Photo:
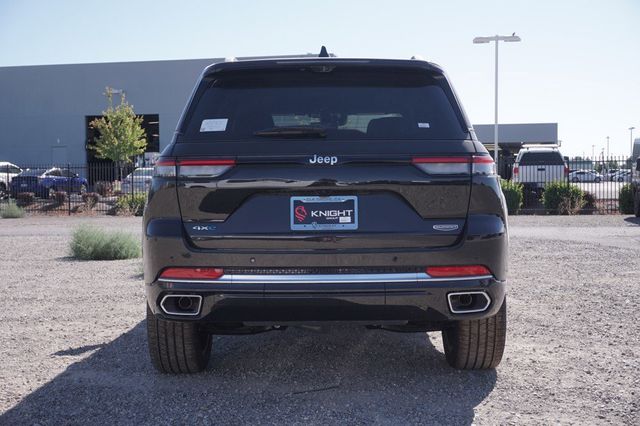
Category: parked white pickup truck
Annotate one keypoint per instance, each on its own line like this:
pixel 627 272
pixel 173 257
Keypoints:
pixel 537 165
pixel 7 172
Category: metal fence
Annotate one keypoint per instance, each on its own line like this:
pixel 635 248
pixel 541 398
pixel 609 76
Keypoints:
pixel 98 188
pixel 103 188
pixel 600 180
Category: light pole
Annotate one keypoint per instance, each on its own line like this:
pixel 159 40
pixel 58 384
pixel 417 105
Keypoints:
pixel 631 137
pixel 496 38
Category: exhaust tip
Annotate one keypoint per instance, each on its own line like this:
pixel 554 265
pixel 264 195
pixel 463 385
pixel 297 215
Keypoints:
pixel 468 302
pixel 181 304
pixel 185 303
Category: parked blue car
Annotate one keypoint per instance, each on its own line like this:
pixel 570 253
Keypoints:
pixel 44 182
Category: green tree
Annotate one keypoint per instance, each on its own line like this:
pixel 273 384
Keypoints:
pixel 612 164
pixel 121 136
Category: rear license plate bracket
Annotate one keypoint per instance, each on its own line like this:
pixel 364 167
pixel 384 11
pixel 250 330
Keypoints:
pixel 333 213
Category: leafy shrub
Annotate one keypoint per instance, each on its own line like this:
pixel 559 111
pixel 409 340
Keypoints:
pixel 589 205
pixel 25 198
pixel 11 211
pixel 131 204
pixel 90 199
pixel 60 197
pixel 90 243
pixel 104 188
pixel 513 194
pixel 625 200
pixel 562 198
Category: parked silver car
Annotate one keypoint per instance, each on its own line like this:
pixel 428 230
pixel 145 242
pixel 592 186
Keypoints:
pixel 609 174
pixel 585 176
pixel 7 172
pixel 622 176
pixel 137 181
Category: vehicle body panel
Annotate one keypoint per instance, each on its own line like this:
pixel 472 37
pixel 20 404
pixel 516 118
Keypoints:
pixel 241 218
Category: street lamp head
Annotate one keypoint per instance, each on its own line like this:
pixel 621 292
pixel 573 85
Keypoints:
pixel 482 40
pixel 631 128
pixel 511 39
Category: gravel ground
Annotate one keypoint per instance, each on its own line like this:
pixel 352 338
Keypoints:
pixel 73 344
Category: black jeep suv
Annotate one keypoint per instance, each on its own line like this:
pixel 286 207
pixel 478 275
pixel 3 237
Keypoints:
pixel 323 190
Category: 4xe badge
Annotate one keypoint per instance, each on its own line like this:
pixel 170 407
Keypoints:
pixel 203 227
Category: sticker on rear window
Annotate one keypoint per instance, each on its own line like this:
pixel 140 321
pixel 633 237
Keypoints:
pixel 214 125
pixel 423 125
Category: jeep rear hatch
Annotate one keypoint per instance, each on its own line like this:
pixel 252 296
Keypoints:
pixel 351 157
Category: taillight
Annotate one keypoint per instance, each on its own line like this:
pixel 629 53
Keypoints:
pixel 566 171
pixel 516 170
pixel 457 271
pixel 165 168
pixel 483 165
pixel 476 164
pixel 193 168
pixel 204 168
pixel 192 273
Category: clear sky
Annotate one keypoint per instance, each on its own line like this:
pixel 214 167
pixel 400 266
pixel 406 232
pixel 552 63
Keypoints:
pixel 578 63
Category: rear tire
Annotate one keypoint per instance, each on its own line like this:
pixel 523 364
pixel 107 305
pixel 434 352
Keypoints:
pixel 177 347
pixel 476 344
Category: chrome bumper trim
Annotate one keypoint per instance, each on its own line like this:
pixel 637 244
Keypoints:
pixel 326 279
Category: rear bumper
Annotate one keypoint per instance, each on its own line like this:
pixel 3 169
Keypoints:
pixel 374 299
pixel 370 298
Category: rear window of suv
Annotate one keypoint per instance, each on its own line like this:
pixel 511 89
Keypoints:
pixel 344 103
pixel 551 158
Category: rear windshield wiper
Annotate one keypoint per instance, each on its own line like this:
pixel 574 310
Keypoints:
pixel 292 131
